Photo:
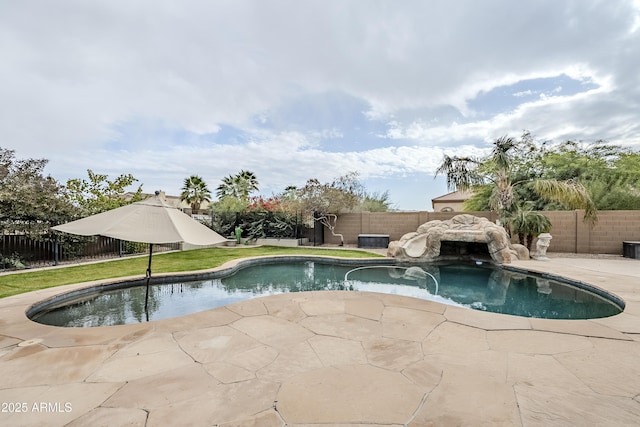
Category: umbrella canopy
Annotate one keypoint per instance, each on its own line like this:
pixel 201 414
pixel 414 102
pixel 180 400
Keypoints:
pixel 149 221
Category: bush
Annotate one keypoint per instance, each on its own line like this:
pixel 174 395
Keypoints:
pixel 12 262
pixel 224 223
pixel 527 223
pixel 261 218
pixel 134 247
pixel 261 224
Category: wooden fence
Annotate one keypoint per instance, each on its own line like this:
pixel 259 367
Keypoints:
pixel 20 251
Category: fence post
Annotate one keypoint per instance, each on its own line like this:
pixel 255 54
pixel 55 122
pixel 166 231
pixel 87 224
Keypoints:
pixel 56 252
pixel 298 228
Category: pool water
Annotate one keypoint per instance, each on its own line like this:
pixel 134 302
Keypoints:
pixel 479 287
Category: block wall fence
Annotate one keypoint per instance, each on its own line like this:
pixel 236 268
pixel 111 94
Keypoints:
pixel 570 233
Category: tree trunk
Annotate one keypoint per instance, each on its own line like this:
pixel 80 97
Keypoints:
pixel 529 241
pixel 326 221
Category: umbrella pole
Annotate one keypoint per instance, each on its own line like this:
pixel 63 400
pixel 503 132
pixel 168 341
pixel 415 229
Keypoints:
pixel 148 275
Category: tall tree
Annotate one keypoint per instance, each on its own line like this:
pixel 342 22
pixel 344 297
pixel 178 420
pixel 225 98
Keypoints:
pixel 29 201
pixel 375 202
pixel 195 192
pixel 611 173
pixel 507 168
pixel 327 201
pixel 239 186
pixel 98 194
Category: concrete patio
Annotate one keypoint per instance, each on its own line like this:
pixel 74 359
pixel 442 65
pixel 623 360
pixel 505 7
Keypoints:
pixel 332 358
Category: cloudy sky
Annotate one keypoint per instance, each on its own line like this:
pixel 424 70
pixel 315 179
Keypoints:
pixel 293 90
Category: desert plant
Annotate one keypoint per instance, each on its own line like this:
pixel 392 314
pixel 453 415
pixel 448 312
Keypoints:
pixel 12 262
pixel 268 218
pixel 527 223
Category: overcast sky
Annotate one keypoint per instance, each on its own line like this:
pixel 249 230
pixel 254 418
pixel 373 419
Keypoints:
pixel 293 90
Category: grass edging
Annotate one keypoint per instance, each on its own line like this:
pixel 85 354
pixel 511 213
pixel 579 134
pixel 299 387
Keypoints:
pixel 174 262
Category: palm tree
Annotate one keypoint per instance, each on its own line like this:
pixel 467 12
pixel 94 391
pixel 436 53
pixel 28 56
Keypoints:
pixel 527 223
pixel 195 192
pixel 500 169
pixel 238 186
pixel 246 183
pixel 227 188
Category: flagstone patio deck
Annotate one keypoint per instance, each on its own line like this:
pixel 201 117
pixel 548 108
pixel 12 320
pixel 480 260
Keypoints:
pixel 332 358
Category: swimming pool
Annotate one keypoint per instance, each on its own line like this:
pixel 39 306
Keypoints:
pixel 476 286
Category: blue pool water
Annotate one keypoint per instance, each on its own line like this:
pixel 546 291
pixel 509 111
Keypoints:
pixel 479 287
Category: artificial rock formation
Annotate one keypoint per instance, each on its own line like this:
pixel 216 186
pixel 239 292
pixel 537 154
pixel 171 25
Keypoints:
pixel 424 244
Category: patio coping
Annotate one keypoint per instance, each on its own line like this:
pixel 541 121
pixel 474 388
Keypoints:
pixel 332 358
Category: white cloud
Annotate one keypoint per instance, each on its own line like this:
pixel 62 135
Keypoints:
pixel 523 93
pixel 636 17
pixel 145 87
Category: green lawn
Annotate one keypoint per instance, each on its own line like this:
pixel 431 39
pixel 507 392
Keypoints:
pixel 200 259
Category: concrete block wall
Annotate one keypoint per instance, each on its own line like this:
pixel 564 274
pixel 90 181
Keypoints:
pixel 347 225
pixel 563 230
pixel 395 224
pixel 570 233
pixel 612 229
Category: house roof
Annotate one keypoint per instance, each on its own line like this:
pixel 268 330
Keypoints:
pixel 455 196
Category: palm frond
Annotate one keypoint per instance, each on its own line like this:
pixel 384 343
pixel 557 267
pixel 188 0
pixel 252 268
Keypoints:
pixel 460 171
pixel 500 153
pixel 570 193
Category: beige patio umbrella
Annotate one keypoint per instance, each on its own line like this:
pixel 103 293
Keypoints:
pixel 148 221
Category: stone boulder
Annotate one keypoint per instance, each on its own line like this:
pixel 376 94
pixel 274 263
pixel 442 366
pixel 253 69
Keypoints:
pixel 424 244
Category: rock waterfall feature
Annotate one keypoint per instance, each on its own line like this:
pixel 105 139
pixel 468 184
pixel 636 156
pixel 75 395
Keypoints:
pixel 425 243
